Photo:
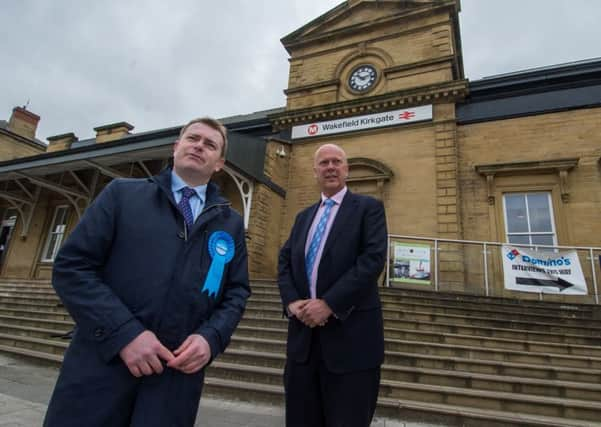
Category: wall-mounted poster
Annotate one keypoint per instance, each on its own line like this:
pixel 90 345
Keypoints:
pixel 543 271
pixel 411 263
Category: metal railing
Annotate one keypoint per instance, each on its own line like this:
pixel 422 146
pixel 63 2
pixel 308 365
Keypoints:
pixel 473 266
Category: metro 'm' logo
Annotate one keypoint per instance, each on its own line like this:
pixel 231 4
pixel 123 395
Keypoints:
pixel 312 130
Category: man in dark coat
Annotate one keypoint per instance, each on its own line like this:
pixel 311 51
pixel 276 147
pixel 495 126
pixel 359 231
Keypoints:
pixel 328 271
pixel 155 275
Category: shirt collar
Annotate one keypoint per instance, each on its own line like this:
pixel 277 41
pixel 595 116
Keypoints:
pixel 177 184
pixel 336 197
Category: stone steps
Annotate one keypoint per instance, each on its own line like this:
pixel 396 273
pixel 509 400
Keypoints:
pixel 405 374
pixel 38 356
pixel 24 305
pixel 36 322
pixel 457 359
pixel 448 338
pixel 584 328
pixel 32 331
pixel 408 409
pixel 418 325
pixel 17 291
pixel 462 299
pixel 542 309
pixel 440 363
pixel 402 307
pixel 498 401
pixel 50 346
pixel 449 350
pixel 38 300
pixel 57 314
pixel 36 282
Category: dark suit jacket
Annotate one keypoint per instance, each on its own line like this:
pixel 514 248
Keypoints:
pixel 353 257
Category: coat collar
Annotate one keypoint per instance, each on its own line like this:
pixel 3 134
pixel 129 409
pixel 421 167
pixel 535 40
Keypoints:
pixel 213 196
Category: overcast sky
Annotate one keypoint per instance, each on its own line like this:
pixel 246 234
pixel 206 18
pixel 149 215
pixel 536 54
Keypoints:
pixel 158 63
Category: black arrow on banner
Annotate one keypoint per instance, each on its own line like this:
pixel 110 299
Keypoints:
pixel 560 283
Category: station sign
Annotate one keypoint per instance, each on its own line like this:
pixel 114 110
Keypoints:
pixel 368 121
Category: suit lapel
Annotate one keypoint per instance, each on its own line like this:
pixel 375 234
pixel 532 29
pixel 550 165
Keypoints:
pixel 306 225
pixel 343 217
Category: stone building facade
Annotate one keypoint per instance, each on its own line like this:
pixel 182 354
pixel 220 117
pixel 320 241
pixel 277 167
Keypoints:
pixel 384 80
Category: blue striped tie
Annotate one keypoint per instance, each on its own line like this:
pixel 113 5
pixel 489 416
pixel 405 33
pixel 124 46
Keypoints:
pixel 184 205
pixel 317 236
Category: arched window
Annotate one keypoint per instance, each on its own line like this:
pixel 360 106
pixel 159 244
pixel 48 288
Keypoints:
pixel 368 176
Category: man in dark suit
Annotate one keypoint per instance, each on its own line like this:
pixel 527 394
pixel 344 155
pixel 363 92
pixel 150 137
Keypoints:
pixel 328 271
pixel 155 276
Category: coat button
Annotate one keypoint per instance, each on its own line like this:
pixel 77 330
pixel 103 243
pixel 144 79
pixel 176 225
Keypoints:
pixel 99 332
pixel 181 235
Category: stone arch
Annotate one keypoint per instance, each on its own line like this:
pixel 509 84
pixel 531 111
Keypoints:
pixel 376 57
pixel 368 176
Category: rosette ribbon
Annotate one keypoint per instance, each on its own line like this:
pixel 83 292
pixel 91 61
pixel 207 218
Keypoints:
pixel 221 249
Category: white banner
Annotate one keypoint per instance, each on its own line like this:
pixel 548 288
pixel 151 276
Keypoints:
pixel 369 121
pixel 543 271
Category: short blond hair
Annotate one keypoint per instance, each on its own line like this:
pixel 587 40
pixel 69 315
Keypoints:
pixel 213 124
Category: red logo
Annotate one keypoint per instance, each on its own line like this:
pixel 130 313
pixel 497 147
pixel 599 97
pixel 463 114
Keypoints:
pixel 312 129
pixel 406 115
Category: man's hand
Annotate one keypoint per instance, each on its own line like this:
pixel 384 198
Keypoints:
pixel 192 355
pixel 295 307
pixel 315 313
pixel 143 355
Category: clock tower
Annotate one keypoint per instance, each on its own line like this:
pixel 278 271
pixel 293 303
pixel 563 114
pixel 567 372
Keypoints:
pixel 380 79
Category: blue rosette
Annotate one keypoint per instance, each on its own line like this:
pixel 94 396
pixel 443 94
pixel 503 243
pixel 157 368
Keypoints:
pixel 221 249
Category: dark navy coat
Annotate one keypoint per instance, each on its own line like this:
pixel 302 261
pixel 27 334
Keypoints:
pixel 353 257
pixel 130 265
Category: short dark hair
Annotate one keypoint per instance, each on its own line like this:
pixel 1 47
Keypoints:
pixel 212 123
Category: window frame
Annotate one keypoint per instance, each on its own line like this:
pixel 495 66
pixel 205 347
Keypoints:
pixel 58 242
pixel 529 233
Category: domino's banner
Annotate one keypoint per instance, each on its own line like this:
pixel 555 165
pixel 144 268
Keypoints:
pixel 543 271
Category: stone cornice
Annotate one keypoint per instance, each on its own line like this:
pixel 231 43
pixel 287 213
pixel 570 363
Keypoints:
pixel 27 141
pixel 292 41
pixel 541 166
pixel 445 92
pixel 326 83
pixel 393 35
pixel 558 166
pixel 386 71
pixel 414 65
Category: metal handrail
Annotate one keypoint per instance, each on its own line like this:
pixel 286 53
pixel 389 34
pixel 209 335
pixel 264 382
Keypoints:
pixel 485 244
pixel 480 242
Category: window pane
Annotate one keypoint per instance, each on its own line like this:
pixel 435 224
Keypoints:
pixel 10 214
pixel 57 231
pixel 521 239
pixel 540 214
pixel 57 245
pixel 543 239
pixel 515 205
pixel 50 247
pixel 61 216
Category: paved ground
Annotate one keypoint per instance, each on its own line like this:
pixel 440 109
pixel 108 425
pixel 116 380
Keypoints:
pixel 25 389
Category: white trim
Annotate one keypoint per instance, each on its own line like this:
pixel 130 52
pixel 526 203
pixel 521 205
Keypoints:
pixel 530 233
pixel 246 188
pixel 51 233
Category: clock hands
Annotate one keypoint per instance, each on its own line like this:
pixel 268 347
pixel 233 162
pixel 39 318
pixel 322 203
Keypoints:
pixel 362 78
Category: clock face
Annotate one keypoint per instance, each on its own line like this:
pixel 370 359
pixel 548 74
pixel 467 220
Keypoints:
pixel 362 78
